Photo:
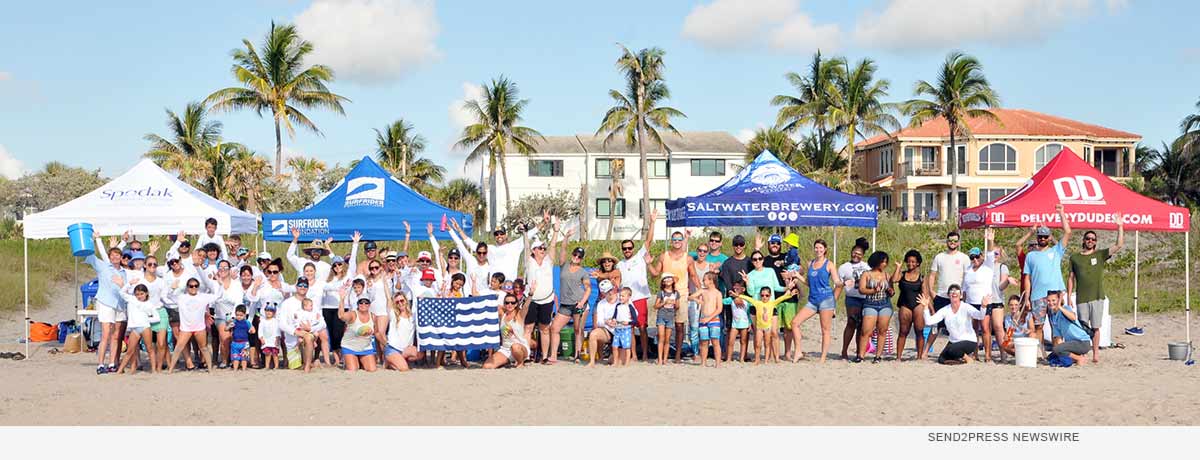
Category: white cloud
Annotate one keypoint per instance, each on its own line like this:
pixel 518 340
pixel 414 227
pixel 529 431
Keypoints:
pixel 779 25
pixel 905 25
pixel 459 117
pixel 744 135
pixel 371 41
pixel 10 167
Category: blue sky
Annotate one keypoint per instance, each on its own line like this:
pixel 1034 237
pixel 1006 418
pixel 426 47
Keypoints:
pixel 82 83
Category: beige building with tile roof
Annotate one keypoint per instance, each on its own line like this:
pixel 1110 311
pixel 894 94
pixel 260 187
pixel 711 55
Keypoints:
pixel 911 164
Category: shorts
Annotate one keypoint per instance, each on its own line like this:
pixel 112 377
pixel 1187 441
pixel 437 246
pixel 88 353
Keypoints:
pixel 1091 312
pixel 822 305
pixel 173 315
pixel 855 302
pixel 622 337
pixel 786 312
pixel 107 314
pixel 237 351
pixel 642 314
pixel 994 306
pixel 877 308
pixel 710 331
pixel 1039 311
pixel 162 324
pixel 570 309
pixel 390 350
pixel 666 317
pixel 349 352
pixel 270 351
pixel 1079 347
pixel 132 331
pixel 539 313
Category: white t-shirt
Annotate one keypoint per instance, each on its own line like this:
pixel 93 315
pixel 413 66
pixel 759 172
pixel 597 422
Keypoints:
pixel 633 275
pixel 959 324
pixel 849 273
pixel 268 331
pixel 977 283
pixel 504 258
pixel 604 311
pixel 949 269
pixel 543 274
pixel 400 331
pixel 191 311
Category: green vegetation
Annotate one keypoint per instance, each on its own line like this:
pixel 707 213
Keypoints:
pixel 49 265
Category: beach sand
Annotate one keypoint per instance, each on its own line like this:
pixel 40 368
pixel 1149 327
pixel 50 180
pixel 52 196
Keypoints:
pixel 1136 385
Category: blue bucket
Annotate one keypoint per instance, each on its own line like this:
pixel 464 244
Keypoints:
pixel 82 243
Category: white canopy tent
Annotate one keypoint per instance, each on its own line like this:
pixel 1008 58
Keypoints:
pixel 146 200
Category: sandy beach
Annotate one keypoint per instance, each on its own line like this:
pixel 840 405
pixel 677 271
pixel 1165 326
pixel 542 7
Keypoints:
pixel 1136 385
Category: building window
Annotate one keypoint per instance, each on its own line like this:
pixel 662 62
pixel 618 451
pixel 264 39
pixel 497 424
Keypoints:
pixel 960 161
pixel 658 168
pixel 607 168
pixel 1044 154
pixel 603 208
pixel 921 159
pixel 997 157
pixel 1105 160
pixel 708 167
pixel 545 168
pixel 925 206
pixel 886 162
pixel 885 201
pixel 987 195
pixel 660 205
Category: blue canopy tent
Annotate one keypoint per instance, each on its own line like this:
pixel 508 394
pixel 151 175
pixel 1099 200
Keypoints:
pixel 769 193
pixel 368 200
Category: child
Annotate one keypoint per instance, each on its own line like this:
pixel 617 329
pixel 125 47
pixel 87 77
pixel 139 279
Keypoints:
pixel 708 319
pixel 241 338
pixel 456 285
pixel 268 334
pixel 142 311
pixel 309 324
pixel 764 309
pixel 664 306
pixel 626 315
pixel 740 327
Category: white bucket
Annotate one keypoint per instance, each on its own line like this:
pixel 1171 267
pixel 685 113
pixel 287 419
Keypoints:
pixel 1027 351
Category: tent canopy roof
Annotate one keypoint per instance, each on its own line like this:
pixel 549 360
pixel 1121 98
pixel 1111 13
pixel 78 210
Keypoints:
pixel 1089 200
pixel 145 200
pixel 768 192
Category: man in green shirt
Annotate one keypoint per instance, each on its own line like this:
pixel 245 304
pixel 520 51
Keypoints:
pixel 1087 280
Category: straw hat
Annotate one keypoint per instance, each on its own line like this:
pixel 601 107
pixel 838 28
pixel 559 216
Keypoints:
pixel 606 255
pixel 316 246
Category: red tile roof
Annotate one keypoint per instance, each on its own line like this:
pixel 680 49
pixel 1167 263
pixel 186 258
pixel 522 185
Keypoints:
pixel 1012 121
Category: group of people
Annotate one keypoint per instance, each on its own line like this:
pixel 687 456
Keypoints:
pixel 228 307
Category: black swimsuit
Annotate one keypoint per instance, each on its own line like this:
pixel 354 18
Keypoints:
pixel 908 292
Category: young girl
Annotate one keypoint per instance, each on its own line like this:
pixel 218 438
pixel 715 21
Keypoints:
pixel 268 334
pixel 193 319
pixel 626 316
pixel 664 306
pixel 764 312
pixel 141 311
pixel 739 330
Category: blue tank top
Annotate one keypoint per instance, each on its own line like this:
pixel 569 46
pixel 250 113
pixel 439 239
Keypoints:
pixel 818 284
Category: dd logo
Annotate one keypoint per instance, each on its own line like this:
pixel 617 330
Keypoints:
pixel 1079 189
pixel 1176 220
pixel 998 217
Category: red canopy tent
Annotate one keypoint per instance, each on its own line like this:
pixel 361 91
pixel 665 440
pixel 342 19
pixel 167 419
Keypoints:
pixel 1089 200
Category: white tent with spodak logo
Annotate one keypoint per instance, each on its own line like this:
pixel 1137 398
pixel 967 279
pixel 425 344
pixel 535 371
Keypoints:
pixel 146 200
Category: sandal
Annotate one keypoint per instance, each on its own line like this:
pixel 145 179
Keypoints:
pixel 876 360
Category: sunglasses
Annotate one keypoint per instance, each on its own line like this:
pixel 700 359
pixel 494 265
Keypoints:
pixel 510 303
pixel 1089 239
pixel 482 253
pixel 452 256
pixel 151 264
pixel 193 286
pixel 272 272
pixel 974 257
pixel 626 248
pixel 951 241
pixel 375 268
pixel 714 241
pixel 676 239
pixel 1043 236
pixel 756 259
pixel 539 248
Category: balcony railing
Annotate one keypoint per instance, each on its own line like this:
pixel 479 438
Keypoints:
pixel 907 169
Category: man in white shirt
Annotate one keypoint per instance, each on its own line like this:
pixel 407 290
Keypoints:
pixel 948 269
pixel 479 267
pixel 633 276
pixel 314 253
pixel 505 255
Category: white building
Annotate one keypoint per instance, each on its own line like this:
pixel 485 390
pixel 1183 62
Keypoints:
pixel 696 162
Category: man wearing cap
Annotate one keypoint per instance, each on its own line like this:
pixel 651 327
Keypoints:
pixel 1087 281
pixel 372 252
pixel 479 267
pixel 633 276
pixel 574 288
pixel 504 255
pixel 1043 271
pixel 314 251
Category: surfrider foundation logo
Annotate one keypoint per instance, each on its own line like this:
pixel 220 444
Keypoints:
pixel 365 191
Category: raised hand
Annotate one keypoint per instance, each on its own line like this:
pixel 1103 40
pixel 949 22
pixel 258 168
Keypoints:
pixel 989 234
pixel 429 228
pixel 745 277
pixel 153 246
pixel 356 236
pixel 924 300
pixel 407 228
pixel 126 237
pixel 1119 217
pixel 329 244
pixel 545 215
pixel 180 236
pixel 1058 207
pixel 758 240
pixel 295 234
pixel 649 258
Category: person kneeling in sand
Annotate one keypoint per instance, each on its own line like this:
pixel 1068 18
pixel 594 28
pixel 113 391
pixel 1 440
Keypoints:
pixel 606 309
pixel 514 347
pixel 1064 321
pixel 958 318
pixel 401 348
pixel 308 326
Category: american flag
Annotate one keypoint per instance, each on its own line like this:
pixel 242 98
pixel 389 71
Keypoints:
pixel 467 323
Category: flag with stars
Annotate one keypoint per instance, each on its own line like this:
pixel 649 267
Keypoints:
pixel 466 323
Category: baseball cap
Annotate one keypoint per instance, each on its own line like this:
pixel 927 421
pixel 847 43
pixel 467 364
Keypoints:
pixel 370 245
pixel 264 256
pixel 337 260
pixel 137 255
pixel 499 231
pixel 775 238
pixel 301 282
pixel 975 252
pixel 578 251
pixel 399 254
pixel 185 244
pixel 127 255
pixel 362 300
pixel 454 253
pixel 428 275
pixel 1043 230
pixel 424 255
pixel 605 285
pixel 537 244
pixel 739 240
pixel 242 251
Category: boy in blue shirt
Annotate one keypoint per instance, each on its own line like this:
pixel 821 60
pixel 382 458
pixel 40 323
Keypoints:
pixel 241 338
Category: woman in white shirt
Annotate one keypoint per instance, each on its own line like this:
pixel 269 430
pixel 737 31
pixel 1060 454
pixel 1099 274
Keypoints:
pixel 340 274
pixel 159 291
pixel 401 338
pixel 229 295
pixel 957 318
pixel 193 319
pixel 142 310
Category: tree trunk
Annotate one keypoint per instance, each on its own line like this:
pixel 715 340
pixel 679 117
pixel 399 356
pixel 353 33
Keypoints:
pixel 507 193
pixel 489 191
pixel 645 177
pixel 953 163
pixel 850 160
pixel 612 207
pixel 278 150
pixel 584 229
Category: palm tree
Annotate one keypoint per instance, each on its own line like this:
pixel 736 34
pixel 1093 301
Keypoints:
pixel 636 114
pixel 186 148
pixel 464 196
pixel 1190 126
pixel 778 142
pixel 961 93
pixel 306 171
pixel 396 149
pixel 1172 173
pixel 855 107
pixel 277 81
pixel 243 178
pixel 810 106
pixel 495 130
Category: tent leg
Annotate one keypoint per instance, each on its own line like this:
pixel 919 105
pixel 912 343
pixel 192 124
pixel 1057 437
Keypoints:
pixel 873 229
pixel 1187 284
pixel 26 323
pixel 835 236
pixel 1136 261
